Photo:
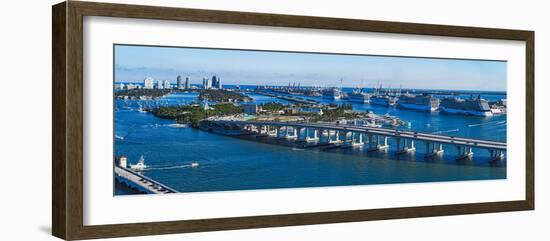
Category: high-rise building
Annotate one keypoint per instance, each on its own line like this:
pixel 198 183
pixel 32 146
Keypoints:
pixel 148 83
pixel 187 84
pixel 119 86
pixel 206 83
pixel 159 85
pixel 166 84
pixel 216 82
pixel 179 82
pixel 131 86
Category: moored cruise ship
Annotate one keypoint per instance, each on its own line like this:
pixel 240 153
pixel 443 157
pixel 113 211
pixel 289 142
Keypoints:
pixel 385 100
pixel 454 105
pixel 422 102
pixel 333 93
pixel 358 96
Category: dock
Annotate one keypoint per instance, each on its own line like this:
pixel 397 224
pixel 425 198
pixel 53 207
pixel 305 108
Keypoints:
pixel 140 182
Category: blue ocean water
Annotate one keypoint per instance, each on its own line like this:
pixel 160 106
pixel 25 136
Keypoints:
pixel 228 163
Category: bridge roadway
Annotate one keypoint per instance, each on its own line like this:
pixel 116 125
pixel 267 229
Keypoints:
pixel 404 140
pixel 412 135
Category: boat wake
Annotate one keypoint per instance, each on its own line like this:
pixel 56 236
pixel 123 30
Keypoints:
pixel 447 131
pixel 178 125
pixel 192 165
pixel 487 123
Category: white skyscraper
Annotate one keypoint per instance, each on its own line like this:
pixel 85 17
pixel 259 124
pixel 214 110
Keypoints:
pixel 166 84
pixel 187 84
pixel 180 84
pixel 148 83
pixel 159 85
pixel 219 83
pixel 206 83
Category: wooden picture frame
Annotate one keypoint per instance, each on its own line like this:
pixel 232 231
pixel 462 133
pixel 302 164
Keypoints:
pixel 67 136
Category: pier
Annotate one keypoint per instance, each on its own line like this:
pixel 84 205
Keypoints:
pixel 372 138
pixel 139 182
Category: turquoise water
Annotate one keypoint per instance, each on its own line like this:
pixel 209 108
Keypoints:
pixel 228 163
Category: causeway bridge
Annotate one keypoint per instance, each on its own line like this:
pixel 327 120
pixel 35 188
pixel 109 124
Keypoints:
pixel 372 138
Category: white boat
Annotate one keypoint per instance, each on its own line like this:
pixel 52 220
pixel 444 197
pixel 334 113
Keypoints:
pixel 333 93
pixel 418 102
pixel 140 166
pixel 358 96
pixel 372 124
pixel 194 164
pixel 476 107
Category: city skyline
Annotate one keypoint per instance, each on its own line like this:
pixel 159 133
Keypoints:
pixel 251 67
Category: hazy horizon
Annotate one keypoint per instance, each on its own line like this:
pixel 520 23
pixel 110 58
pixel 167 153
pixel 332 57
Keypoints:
pixel 254 67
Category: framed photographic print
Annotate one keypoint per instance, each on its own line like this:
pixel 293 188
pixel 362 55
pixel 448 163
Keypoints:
pixel 171 120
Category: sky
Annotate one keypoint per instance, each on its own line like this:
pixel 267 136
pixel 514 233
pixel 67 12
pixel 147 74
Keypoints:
pixel 249 67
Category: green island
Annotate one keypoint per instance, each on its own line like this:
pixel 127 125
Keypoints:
pixel 193 114
pixel 141 93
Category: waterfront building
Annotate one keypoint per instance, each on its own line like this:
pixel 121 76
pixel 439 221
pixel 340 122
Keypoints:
pixel 219 83
pixel 159 85
pixel 179 83
pixel 206 83
pixel 148 83
pixel 123 161
pixel 132 86
pixel 216 82
pixel 187 84
pixel 119 86
pixel 251 109
pixel 166 84
pixel 291 111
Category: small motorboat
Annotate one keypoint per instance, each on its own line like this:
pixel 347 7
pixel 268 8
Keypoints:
pixel 194 164
pixel 140 166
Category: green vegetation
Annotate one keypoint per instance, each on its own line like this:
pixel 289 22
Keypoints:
pixel 194 114
pixel 223 96
pixel 273 106
pixel 141 93
pixel 342 106
pixel 333 114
